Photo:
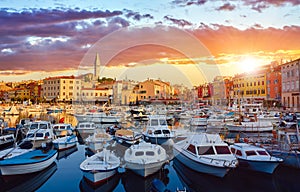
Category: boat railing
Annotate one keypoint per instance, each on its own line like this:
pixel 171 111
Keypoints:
pixel 218 162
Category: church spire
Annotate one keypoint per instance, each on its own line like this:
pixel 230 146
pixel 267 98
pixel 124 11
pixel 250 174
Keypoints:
pixel 97 67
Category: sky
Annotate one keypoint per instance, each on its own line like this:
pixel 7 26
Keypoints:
pixel 181 41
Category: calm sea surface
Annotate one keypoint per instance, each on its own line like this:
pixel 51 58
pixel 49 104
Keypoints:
pixel 65 175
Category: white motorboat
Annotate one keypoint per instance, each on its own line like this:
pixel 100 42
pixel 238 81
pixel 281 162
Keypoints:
pixel 100 167
pixel 40 132
pixel 248 126
pixel 61 129
pixel 66 142
pixel 86 127
pixel 255 158
pixel 97 140
pixel 157 130
pixel 205 153
pixel 145 158
pixel 127 136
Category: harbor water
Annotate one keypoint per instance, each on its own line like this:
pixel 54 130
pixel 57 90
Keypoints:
pixel 65 175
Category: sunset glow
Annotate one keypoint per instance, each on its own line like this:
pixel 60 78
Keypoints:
pixel 39 39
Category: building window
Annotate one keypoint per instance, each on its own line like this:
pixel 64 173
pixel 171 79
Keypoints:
pixel 262 82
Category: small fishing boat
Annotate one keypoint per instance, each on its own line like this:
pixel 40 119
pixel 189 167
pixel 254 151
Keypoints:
pixel 205 153
pixel 40 132
pixel 157 130
pixel 86 127
pixel 97 140
pixel 28 162
pixel 255 158
pixel 100 167
pixel 145 158
pixel 127 136
pixel 66 142
pixel 63 129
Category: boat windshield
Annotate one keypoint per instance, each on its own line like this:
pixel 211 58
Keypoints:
pixel 206 150
pixel 222 150
pixel 260 152
pixel 250 153
pixel 162 122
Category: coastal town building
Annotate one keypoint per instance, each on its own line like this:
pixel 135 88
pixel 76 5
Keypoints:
pixel 250 87
pixel 221 85
pixel 273 85
pixel 290 85
pixel 61 88
pixel 123 92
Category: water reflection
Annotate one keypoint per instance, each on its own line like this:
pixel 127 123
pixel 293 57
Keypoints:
pixel 27 182
pixel 236 180
pixel 65 153
pixel 108 185
pixel 287 179
pixel 134 182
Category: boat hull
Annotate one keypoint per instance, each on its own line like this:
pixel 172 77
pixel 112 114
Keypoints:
pixel 21 165
pixel 96 177
pixel 145 170
pixel 64 145
pixel 249 128
pixel 260 166
pixel 198 166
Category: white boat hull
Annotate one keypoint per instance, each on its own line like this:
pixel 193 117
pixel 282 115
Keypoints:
pixel 145 170
pixel 64 144
pixel 249 128
pixel 96 177
pixel 219 171
pixel 260 166
pixel 16 169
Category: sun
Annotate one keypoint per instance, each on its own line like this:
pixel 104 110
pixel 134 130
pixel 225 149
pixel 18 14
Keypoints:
pixel 249 63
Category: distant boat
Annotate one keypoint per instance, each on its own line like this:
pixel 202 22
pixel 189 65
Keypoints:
pixel 29 162
pixel 86 127
pixel 66 142
pixel 127 136
pixel 12 110
pixel 157 130
pixel 100 167
pixel 97 140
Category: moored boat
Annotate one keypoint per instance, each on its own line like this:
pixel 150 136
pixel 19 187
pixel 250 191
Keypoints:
pixel 100 167
pixel 205 153
pixel 29 162
pixel 127 136
pixel 157 130
pixel 255 158
pixel 145 158
pixel 97 140
pixel 66 142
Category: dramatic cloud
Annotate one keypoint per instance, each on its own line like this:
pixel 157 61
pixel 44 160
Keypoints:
pixel 137 16
pixel 259 5
pixel 226 7
pixel 179 22
pixel 189 2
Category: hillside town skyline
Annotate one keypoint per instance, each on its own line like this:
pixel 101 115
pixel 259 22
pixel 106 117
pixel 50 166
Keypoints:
pixel 273 85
